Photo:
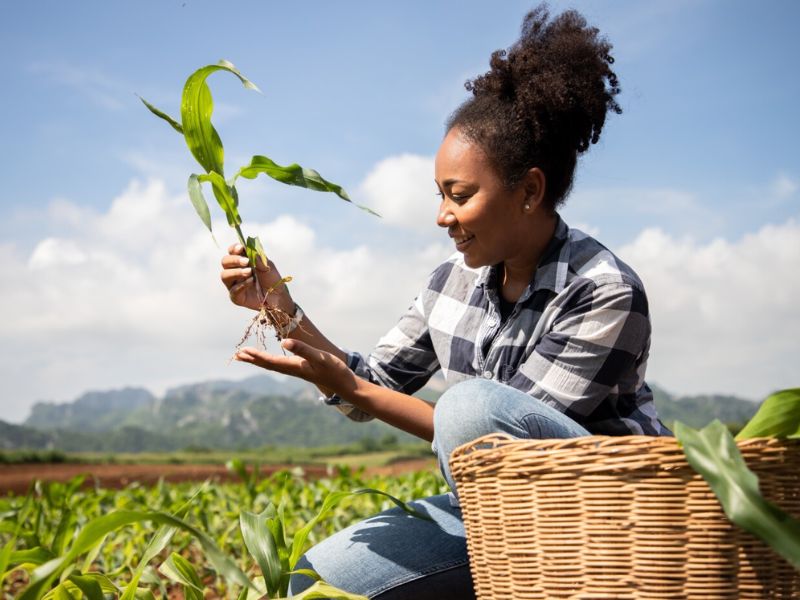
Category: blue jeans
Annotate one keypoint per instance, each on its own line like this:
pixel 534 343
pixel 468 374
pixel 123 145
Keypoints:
pixel 393 555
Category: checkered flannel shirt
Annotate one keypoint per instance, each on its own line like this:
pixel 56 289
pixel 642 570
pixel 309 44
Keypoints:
pixel 577 339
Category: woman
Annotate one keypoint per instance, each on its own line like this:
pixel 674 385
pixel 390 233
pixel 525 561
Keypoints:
pixel 539 330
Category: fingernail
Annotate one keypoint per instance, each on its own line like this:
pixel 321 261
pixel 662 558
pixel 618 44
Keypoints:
pixel 247 271
pixel 244 261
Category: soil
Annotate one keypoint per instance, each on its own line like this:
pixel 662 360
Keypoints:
pixel 17 478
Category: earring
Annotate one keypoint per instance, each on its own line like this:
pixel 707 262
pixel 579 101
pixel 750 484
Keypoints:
pixel 526 206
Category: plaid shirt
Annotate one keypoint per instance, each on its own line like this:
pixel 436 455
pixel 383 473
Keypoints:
pixel 577 339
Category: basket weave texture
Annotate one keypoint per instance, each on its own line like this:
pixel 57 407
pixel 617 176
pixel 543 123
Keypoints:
pixel 616 517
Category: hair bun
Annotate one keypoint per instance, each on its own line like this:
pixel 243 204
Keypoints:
pixel 548 94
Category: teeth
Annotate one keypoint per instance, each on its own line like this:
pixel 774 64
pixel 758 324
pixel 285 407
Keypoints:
pixel 461 240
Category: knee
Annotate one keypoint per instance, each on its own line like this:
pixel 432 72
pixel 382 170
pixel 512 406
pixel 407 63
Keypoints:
pixel 464 412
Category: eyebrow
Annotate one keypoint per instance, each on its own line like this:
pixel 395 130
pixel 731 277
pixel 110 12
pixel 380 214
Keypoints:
pixel 448 182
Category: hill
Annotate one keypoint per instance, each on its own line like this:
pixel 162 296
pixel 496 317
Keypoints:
pixel 255 412
pixel 258 411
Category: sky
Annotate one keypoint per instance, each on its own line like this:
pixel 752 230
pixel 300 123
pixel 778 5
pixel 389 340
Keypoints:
pixel 108 278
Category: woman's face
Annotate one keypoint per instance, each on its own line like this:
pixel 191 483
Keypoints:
pixel 483 217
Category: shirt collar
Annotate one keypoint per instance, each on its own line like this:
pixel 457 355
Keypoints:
pixel 551 274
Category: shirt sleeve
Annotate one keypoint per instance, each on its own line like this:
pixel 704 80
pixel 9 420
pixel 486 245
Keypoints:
pixel 403 360
pixel 599 338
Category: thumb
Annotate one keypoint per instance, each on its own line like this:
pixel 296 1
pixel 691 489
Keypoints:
pixel 297 347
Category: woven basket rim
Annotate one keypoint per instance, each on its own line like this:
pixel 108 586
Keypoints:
pixel 596 453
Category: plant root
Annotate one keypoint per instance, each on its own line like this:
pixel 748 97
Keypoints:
pixel 268 319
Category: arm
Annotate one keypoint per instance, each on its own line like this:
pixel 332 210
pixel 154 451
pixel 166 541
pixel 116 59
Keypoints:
pixel 403 360
pixel 328 371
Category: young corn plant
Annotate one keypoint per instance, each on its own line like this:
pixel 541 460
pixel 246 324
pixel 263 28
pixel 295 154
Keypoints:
pixel 205 145
pixel 713 453
pixel 58 537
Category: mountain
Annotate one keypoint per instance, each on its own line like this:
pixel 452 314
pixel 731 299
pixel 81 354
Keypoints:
pixel 93 411
pixel 698 411
pixel 254 412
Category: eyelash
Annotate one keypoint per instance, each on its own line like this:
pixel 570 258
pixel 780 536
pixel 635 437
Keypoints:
pixel 458 198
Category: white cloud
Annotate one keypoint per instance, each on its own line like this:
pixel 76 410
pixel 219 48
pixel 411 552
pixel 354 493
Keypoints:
pixel 725 314
pixel 402 189
pixel 132 296
pixel 783 186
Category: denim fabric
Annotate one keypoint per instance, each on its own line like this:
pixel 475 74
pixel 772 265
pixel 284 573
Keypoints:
pixel 392 555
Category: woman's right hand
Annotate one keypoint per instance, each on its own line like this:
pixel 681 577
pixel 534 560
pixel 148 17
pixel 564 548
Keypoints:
pixel 237 276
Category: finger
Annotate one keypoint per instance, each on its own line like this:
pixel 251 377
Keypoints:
pixel 236 249
pixel 288 365
pixel 238 288
pixel 230 261
pixel 303 350
pixel 231 277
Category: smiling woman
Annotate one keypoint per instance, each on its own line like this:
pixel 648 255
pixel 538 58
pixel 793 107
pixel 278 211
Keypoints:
pixel 539 330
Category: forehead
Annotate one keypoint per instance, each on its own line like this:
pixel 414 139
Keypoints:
pixel 460 158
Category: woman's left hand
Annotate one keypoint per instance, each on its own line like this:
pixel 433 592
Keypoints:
pixel 321 368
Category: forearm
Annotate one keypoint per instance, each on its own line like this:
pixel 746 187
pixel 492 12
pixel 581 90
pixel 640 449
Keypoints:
pixel 405 412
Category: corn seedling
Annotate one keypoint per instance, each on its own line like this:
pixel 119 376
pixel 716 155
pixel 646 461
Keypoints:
pixel 223 541
pixel 206 146
pixel 713 453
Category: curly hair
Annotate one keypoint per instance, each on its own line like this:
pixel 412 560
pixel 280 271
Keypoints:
pixel 543 102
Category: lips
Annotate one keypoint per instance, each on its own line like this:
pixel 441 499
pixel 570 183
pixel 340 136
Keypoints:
pixel 462 241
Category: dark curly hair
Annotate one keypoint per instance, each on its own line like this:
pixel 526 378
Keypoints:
pixel 543 102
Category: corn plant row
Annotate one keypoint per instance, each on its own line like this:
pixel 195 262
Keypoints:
pixel 241 540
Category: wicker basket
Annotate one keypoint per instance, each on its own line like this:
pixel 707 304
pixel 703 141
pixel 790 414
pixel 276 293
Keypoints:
pixel 615 517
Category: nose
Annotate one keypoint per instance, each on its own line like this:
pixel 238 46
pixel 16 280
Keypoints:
pixel 445 218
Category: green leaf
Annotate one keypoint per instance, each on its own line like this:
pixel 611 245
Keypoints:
pixel 325 590
pixel 96 529
pixel 294 174
pixel 157 543
pixel 162 115
pixel 404 506
pixel 224 197
pixel 5 558
pixel 178 569
pixel 261 545
pixel 299 540
pixel 88 586
pixel 32 556
pixel 196 108
pixel 64 532
pixel 778 417
pixel 199 201
pixel 713 453
pixel 255 250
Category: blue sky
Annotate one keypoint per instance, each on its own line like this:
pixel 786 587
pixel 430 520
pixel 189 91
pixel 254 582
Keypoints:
pixel 695 185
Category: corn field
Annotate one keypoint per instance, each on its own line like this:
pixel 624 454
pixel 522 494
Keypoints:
pixel 64 541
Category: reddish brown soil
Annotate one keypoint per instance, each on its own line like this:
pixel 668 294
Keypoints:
pixel 17 479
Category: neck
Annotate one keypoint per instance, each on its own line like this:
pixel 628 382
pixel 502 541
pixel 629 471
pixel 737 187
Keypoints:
pixel 518 270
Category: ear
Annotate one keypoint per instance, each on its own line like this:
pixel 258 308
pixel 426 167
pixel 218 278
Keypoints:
pixel 534 185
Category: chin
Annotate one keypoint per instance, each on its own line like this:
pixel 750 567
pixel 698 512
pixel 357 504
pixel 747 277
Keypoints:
pixel 473 262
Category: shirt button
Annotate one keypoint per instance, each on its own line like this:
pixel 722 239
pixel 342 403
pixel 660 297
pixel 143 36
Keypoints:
pixel 491 322
pixel 487 374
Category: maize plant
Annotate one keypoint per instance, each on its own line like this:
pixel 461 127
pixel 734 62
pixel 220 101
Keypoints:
pixel 713 453
pixel 60 542
pixel 205 145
